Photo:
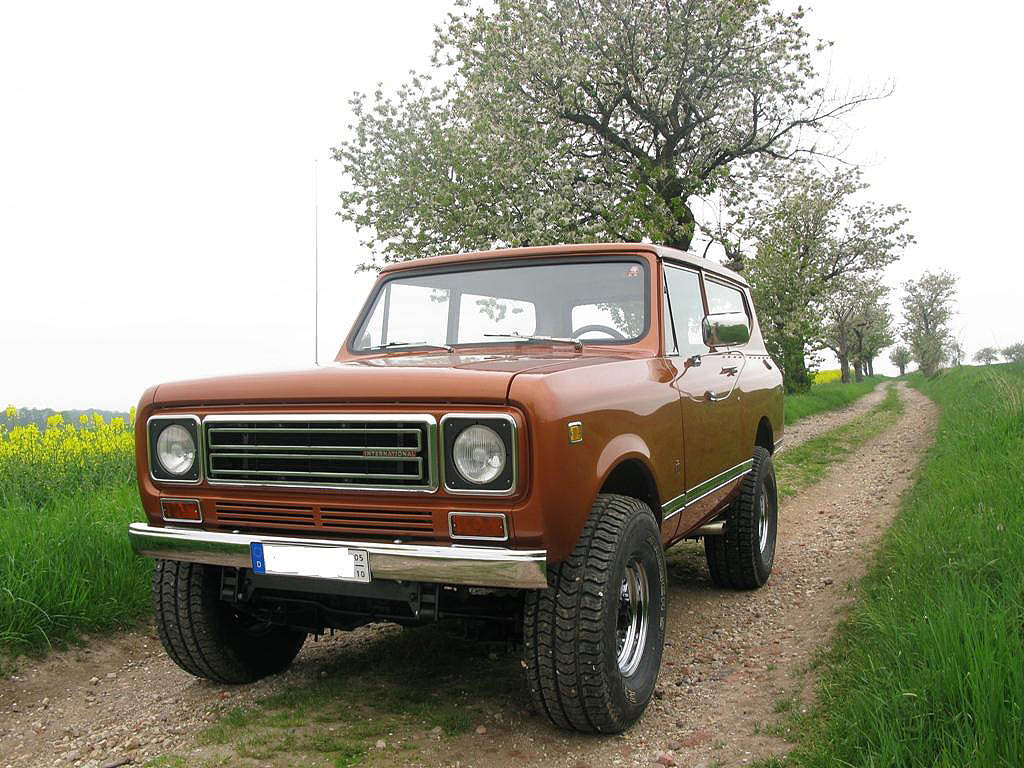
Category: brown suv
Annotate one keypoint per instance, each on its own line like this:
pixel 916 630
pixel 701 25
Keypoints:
pixel 512 437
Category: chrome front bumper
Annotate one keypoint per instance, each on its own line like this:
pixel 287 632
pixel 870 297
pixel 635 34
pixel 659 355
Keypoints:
pixel 472 566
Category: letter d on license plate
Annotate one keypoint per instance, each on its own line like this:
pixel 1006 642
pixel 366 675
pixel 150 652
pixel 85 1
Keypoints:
pixel 343 563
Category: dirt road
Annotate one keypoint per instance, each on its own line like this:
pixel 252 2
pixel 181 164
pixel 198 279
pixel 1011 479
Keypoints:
pixel 732 661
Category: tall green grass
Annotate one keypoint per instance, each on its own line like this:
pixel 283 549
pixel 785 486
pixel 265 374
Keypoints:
pixel 66 567
pixel 929 669
pixel 827 397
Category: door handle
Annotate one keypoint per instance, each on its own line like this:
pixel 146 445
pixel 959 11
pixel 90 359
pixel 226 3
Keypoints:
pixel 713 397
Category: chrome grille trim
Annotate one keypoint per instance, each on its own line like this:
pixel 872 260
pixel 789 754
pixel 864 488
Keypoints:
pixel 416 473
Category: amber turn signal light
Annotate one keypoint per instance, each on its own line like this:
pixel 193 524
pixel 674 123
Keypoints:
pixel 487 526
pixel 181 510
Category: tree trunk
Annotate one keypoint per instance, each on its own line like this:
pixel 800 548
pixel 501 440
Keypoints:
pixel 858 370
pixel 903 369
pixel 685 222
pixel 844 369
pixel 795 376
pixel 871 366
pixel 843 353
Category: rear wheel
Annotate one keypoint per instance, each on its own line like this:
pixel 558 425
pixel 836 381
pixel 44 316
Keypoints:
pixel 205 636
pixel 742 557
pixel 592 641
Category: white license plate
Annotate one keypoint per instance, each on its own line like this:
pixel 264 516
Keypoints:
pixel 343 563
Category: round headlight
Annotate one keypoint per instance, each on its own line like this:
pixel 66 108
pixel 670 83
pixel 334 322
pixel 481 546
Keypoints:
pixel 479 454
pixel 176 450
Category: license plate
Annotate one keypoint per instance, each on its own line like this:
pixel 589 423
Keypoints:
pixel 342 563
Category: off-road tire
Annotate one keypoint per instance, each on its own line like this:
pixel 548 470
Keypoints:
pixel 570 653
pixel 736 559
pixel 205 636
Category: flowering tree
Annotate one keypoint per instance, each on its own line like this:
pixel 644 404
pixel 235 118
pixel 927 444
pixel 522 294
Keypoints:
pixel 927 309
pixel 1014 352
pixel 545 121
pixel 986 355
pixel 817 248
pixel 900 357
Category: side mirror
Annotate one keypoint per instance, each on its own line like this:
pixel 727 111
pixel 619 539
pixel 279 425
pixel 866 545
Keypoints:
pixel 726 329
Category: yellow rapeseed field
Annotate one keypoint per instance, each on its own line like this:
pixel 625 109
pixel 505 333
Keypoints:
pixel 64 458
pixel 824 377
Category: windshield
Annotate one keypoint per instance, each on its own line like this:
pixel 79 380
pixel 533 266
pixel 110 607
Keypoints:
pixel 600 302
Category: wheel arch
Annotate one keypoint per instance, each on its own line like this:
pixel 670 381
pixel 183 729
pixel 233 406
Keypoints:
pixel 765 435
pixel 631 475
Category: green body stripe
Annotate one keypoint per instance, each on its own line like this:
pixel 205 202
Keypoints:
pixel 700 491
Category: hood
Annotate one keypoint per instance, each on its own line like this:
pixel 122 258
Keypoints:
pixel 412 378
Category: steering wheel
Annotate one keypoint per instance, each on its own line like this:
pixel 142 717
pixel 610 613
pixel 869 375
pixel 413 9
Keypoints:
pixel 600 329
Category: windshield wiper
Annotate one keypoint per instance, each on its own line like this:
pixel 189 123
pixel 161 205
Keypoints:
pixel 577 343
pixel 400 344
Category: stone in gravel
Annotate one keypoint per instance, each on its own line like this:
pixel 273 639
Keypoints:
pixel 674 746
pixel 111 675
pixel 94 681
pixel 381 744
pixel 481 730
pixel 664 758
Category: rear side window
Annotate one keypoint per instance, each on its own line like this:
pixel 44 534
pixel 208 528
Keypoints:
pixel 723 298
pixel 687 313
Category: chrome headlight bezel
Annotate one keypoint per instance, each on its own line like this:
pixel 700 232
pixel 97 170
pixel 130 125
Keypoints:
pixel 504 426
pixel 157 471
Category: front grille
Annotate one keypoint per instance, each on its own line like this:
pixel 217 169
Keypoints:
pixel 361 523
pixel 349 452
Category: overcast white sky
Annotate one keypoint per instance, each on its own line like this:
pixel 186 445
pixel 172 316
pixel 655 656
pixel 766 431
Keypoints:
pixel 156 195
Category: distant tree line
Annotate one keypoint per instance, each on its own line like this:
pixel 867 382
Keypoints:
pixel 988 355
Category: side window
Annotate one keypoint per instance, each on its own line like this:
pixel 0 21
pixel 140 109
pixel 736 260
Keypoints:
pixel 723 298
pixel 687 312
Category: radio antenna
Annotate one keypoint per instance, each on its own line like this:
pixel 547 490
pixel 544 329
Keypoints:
pixel 316 265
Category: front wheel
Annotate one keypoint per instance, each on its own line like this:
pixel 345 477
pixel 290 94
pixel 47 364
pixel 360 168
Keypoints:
pixel 592 641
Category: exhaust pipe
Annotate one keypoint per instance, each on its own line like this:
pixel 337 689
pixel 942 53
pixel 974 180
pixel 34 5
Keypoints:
pixel 714 528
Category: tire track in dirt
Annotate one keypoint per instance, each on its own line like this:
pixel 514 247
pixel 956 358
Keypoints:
pixel 729 656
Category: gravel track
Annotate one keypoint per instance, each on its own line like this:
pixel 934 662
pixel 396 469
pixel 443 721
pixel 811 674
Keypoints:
pixel 812 426
pixel 730 657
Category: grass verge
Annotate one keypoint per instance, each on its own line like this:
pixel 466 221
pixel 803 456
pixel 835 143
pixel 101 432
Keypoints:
pixel 827 397
pixel 66 567
pixel 928 669
pixel 67 494
pixel 805 464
